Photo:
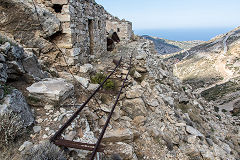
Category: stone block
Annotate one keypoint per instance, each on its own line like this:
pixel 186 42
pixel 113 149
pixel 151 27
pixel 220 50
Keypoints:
pixel 64 17
pixel 60 1
pixel 50 91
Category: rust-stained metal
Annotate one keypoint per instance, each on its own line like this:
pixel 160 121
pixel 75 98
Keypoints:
pixel 85 146
pixel 59 132
pixel 77 145
pixel 110 114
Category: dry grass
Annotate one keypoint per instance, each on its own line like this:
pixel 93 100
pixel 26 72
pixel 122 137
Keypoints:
pixel 44 151
pixel 11 127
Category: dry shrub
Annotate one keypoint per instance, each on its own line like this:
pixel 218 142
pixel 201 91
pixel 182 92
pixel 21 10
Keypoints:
pixel 44 151
pixel 11 126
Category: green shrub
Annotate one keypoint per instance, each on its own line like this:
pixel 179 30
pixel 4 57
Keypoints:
pixel 224 110
pixel 99 78
pixel 216 109
pixel 11 126
pixel 184 107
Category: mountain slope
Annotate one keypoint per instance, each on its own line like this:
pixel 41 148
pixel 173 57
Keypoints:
pixel 211 64
pixel 164 46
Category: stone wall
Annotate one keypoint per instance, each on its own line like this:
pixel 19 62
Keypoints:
pixel 78 27
pixel 88 24
pixel 122 27
pixel 83 34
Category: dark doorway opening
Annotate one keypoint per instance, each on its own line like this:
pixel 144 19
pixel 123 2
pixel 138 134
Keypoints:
pixel 57 8
pixel 91 36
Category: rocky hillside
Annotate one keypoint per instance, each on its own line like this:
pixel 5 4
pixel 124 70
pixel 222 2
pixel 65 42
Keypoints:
pixel 157 116
pixel 164 46
pixel 212 65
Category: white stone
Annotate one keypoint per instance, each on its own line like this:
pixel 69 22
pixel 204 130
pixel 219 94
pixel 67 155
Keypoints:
pixel 93 87
pixel 137 75
pixel 25 145
pixel 70 136
pixel 193 131
pixel 37 129
pixel 48 107
pixel 51 91
pixel 86 68
pixel 135 93
pixel 45 136
pixel 83 81
pixel 105 108
pixel 118 135
pixel 191 139
pixel 60 1
pixel 40 120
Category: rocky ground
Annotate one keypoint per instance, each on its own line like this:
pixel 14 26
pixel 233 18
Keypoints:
pixel 157 116
pixel 212 69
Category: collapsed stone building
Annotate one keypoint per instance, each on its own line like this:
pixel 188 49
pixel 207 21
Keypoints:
pixel 78 27
pixel 122 27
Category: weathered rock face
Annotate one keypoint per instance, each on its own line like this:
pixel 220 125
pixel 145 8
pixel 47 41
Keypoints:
pixel 16 63
pixel 167 120
pixel 15 102
pixel 50 91
pixel 23 24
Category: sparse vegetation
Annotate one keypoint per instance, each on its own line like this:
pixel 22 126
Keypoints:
pixel 216 109
pixel 7 89
pixel 44 151
pixel 33 99
pixel 219 91
pixel 100 77
pixel 184 107
pixel 11 126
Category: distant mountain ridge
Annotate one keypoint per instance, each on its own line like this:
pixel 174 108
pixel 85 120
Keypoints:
pixel 164 46
pixel 213 69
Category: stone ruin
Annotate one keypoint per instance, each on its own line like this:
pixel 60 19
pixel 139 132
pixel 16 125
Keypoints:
pixel 122 27
pixel 78 27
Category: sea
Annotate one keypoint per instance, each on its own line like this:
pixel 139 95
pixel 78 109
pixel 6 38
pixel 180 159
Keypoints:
pixel 184 34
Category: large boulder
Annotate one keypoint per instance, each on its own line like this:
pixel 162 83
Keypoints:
pixel 32 67
pixel 16 103
pixel 50 91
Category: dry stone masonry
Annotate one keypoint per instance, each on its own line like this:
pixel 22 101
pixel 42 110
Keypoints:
pixel 122 27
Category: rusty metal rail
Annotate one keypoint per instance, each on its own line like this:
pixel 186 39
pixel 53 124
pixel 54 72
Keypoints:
pixel 59 132
pixel 110 114
pixel 85 146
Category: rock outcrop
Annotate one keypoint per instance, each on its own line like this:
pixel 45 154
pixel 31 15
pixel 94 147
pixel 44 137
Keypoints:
pixel 23 24
pixel 18 64
pixel 16 103
pixel 50 91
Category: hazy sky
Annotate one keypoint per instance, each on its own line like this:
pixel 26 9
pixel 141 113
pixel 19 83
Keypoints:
pixel 166 14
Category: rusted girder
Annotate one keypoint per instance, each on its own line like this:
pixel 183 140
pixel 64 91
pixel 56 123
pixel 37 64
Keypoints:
pixel 110 114
pixel 59 132
pixel 77 145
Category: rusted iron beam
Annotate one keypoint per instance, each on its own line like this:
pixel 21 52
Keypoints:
pixel 59 132
pixel 111 113
pixel 77 145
